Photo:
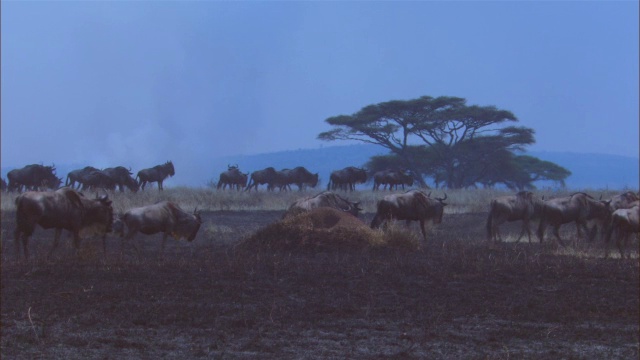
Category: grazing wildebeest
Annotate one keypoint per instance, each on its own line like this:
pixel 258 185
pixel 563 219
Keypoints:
pixel 61 209
pixel 624 222
pixel 260 177
pixel 122 177
pixel 414 205
pixel 347 178
pixel 155 174
pixel 97 179
pixel 33 177
pixel 578 208
pixel 232 177
pixel 521 206
pixel 77 176
pixel 324 199
pixel 391 178
pixel 165 217
pixel 298 176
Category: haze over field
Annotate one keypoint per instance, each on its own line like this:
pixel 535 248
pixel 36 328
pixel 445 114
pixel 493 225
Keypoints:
pixel 140 83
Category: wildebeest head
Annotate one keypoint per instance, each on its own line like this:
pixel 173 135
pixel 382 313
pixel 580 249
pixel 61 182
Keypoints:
pixel 440 208
pixel 169 168
pixel 191 225
pixel 98 214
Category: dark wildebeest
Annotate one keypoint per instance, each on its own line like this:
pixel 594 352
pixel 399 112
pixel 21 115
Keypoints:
pixel 391 178
pixel 324 199
pixel 232 177
pixel 61 209
pixel 347 178
pixel 97 179
pixel 414 205
pixel 260 177
pixel 76 176
pixel 578 208
pixel 298 176
pixel 165 217
pixel 624 222
pixel 521 206
pixel 155 174
pixel 33 177
pixel 122 177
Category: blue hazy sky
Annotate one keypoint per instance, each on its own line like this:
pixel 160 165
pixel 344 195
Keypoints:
pixel 137 83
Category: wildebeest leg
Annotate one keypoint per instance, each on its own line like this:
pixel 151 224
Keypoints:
pixel 525 228
pixel 542 227
pixel 424 233
pixel 582 225
pixel 104 244
pixel 129 239
pixel 556 232
pixel 56 240
pixel 621 242
pixel 16 237
pixel 160 188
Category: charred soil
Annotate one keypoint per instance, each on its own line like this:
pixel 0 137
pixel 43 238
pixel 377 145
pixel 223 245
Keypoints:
pixel 455 298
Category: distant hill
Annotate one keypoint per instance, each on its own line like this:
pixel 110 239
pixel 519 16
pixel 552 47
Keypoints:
pixel 589 171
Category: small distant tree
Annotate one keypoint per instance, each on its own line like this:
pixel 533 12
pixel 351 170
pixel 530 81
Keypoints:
pixel 456 144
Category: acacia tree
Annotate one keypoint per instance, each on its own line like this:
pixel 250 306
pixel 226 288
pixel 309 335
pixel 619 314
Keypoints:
pixel 441 137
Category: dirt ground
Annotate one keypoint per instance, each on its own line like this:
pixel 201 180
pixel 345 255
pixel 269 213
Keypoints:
pixel 456 298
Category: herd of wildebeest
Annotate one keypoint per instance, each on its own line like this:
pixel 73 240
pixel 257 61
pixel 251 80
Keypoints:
pixel 48 205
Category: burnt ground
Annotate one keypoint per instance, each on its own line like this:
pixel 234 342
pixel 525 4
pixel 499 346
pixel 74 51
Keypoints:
pixel 456 298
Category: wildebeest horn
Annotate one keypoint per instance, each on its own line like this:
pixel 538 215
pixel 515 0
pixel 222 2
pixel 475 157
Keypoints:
pixel 442 199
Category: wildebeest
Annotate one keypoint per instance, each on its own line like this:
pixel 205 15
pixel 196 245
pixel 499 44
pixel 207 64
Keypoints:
pixel 165 217
pixel 64 208
pixel 414 205
pixel 324 199
pixel 624 222
pixel 298 176
pixel 77 176
pixel 232 177
pixel 97 179
pixel 261 177
pixel 391 178
pixel 122 177
pixel 578 208
pixel 155 174
pixel 521 206
pixel 623 201
pixel 33 177
pixel 347 178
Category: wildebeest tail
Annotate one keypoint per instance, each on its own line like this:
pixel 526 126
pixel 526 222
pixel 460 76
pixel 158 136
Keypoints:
pixel 489 225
